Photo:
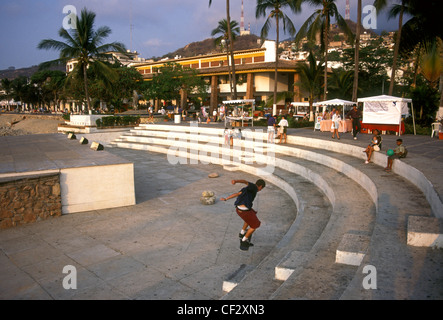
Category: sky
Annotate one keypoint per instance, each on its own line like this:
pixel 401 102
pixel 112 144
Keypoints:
pixel 158 27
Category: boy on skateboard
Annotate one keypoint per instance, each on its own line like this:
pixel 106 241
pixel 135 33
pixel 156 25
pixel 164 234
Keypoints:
pixel 243 206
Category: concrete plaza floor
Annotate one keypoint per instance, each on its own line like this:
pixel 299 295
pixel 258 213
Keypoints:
pixel 167 246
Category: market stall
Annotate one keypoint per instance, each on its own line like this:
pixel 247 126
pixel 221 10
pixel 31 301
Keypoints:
pixel 301 109
pixel 385 113
pixel 240 116
pixel 345 125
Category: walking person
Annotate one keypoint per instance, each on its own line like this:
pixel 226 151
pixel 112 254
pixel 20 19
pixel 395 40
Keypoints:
pixel 355 115
pixel 243 206
pixel 271 129
pixel 283 124
pixel 335 124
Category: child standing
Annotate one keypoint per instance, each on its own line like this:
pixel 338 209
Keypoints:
pixel 335 124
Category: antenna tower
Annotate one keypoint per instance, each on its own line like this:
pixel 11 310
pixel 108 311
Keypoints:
pixel 348 11
pixel 242 19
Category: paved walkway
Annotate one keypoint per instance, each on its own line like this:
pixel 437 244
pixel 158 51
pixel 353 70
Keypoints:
pixel 167 246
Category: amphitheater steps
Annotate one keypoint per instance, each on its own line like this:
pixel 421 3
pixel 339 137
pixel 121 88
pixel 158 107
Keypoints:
pixel 353 212
pixel 387 232
pixel 267 268
pixel 398 199
pixel 319 251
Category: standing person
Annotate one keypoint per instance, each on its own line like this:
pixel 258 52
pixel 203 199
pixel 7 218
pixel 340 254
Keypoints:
pixel 214 114
pixel 271 129
pixel 355 115
pixel 243 206
pixel 335 124
pixel 283 124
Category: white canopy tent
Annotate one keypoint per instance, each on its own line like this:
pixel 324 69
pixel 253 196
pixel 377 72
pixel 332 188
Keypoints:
pixel 385 110
pixel 335 102
pixel 242 102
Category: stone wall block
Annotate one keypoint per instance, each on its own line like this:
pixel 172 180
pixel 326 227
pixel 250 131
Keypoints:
pixel 27 200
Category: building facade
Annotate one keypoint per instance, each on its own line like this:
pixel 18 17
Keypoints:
pixel 255 69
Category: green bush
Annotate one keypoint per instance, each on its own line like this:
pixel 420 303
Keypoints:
pixel 409 129
pixel 113 121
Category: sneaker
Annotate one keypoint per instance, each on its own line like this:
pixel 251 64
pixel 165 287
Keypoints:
pixel 244 245
pixel 242 235
pixel 249 239
pixel 355 138
pixel 366 162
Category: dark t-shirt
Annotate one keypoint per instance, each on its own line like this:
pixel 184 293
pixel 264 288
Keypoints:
pixel 247 196
pixel 271 121
pixel 354 114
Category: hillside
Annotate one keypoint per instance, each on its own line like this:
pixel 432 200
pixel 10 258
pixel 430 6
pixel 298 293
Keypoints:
pixel 12 74
pixel 208 46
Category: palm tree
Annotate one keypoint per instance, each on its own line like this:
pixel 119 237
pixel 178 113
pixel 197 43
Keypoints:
pixel 342 83
pixel 276 7
pixel 310 80
pixel 396 10
pixel 85 45
pixel 320 22
pixel 222 29
pixel 431 64
pixel 231 48
pixel 357 52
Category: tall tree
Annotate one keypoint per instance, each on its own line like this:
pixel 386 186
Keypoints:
pixel 396 10
pixel 342 83
pixel 319 23
pixel 357 53
pixel 423 31
pixel 223 30
pixel 310 80
pixel 231 48
pixel 85 45
pixel 276 12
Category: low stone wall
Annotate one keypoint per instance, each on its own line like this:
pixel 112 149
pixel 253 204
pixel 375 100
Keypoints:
pixel 30 199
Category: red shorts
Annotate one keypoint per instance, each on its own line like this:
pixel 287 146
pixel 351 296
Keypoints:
pixel 250 217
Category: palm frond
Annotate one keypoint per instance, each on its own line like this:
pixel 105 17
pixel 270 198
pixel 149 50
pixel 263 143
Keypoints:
pixel 265 29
